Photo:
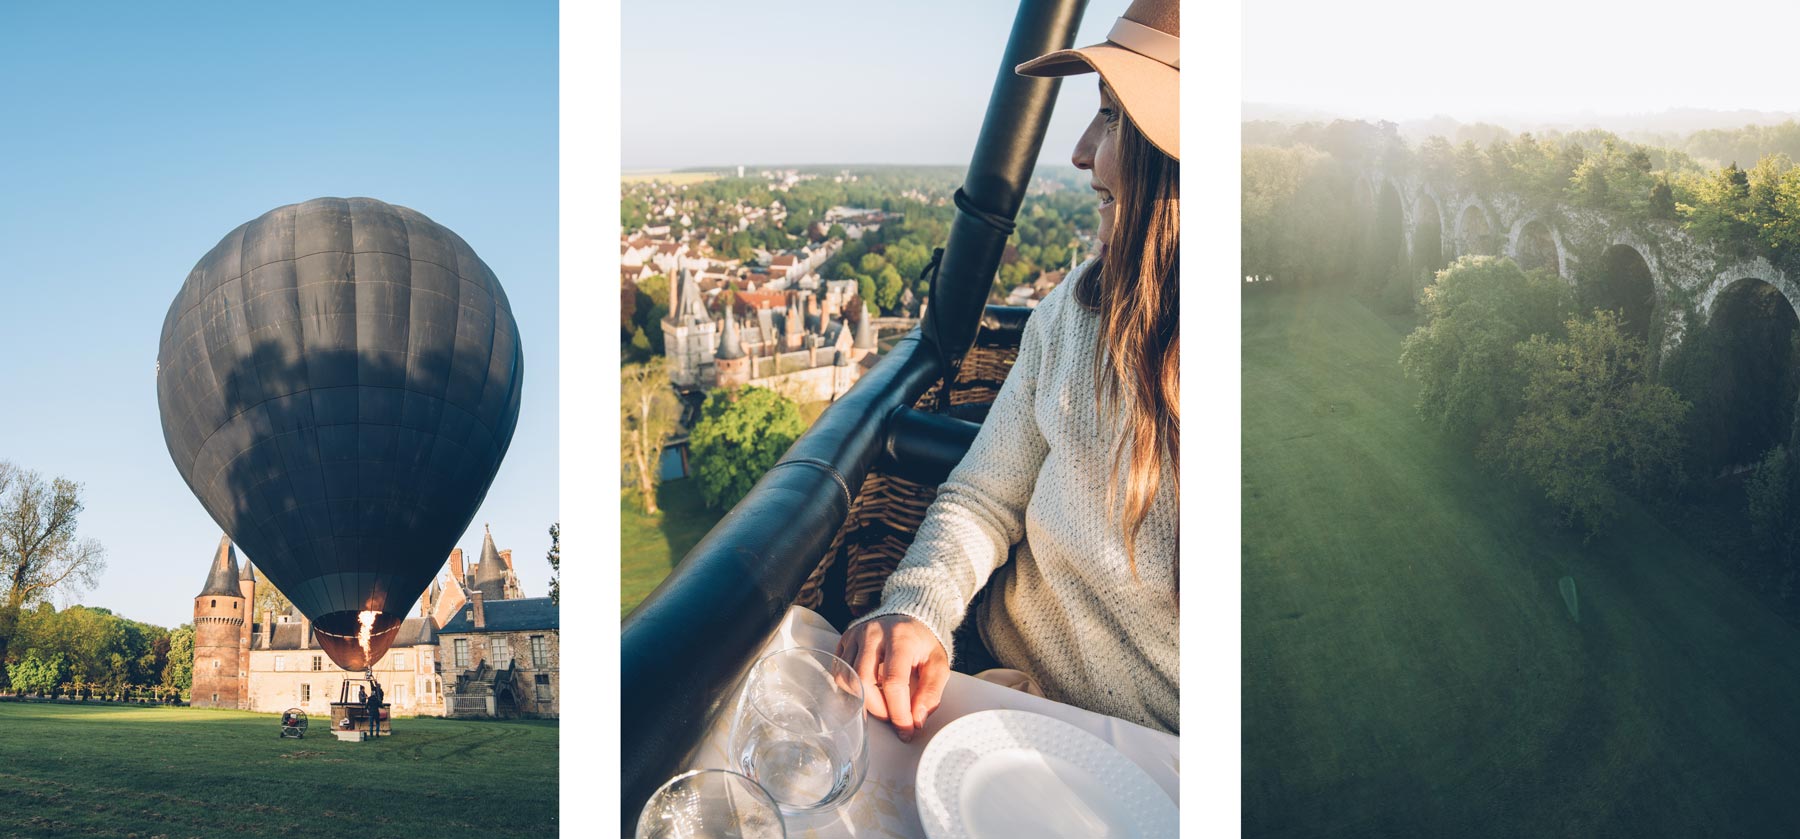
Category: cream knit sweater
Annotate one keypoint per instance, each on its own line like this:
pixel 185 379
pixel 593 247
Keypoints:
pixel 1066 609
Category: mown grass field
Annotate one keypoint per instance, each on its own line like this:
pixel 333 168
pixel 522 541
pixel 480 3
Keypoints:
pixel 673 178
pixel 651 545
pixel 179 772
pixel 1410 665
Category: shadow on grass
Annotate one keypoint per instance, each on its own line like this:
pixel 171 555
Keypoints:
pixel 651 545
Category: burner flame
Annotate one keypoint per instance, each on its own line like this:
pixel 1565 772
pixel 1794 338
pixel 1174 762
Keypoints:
pixel 367 621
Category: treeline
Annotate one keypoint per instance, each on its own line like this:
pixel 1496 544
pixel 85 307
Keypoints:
pixel 91 652
pixel 1290 169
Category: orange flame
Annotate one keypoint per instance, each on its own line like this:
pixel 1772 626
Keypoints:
pixel 367 621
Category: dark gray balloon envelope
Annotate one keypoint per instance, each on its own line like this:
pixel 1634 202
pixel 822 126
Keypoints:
pixel 338 382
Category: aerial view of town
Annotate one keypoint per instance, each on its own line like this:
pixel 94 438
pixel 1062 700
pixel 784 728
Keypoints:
pixel 753 297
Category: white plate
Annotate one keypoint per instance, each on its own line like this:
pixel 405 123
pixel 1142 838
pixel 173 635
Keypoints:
pixel 1013 773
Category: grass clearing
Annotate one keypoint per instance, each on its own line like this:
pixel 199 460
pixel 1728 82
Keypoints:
pixel 649 546
pixel 1412 665
pixel 69 770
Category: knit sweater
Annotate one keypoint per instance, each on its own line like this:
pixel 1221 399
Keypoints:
pixel 1066 608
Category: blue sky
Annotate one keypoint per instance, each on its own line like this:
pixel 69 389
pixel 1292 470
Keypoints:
pixel 723 82
pixel 139 134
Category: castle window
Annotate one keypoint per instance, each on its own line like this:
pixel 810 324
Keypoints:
pixel 502 651
pixel 462 653
pixel 318 662
pixel 215 664
pixel 399 661
pixel 306 693
pixel 540 653
pixel 399 694
pixel 543 688
pixel 280 663
pixel 215 601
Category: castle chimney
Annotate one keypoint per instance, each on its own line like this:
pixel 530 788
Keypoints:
pixel 456 566
pixel 268 628
pixel 480 613
pixel 305 632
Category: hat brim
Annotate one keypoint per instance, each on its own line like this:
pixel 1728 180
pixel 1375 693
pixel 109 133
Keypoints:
pixel 1149 90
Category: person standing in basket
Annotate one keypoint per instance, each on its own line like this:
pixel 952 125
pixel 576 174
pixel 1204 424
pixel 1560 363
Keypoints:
pixel 375 709
pixel 1077 463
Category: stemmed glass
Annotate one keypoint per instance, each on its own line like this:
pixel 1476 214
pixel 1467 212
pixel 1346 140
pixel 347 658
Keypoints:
pixel 710 804
pixel 799 730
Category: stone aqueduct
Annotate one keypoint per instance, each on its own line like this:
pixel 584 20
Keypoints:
pixel 1685 277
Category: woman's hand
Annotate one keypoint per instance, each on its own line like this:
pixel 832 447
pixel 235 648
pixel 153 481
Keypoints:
pixel 903 670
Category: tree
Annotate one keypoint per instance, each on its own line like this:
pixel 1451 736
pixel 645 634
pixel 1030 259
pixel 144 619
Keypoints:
pixel 179 673
pixel 1592 428
pixel 40 550
pixel 1465 356
pixel 37 675
pixel 887 288
pixel 865 288
pixel 740 435
pixel 268 598
pixel 555 559
pixel 1766 495
pixel 648 415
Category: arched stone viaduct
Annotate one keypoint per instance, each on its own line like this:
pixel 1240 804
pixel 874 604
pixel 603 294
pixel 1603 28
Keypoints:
pixel 1685 277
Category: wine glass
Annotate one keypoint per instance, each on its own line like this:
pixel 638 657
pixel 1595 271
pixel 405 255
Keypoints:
pixel 799 730
pixel 710 804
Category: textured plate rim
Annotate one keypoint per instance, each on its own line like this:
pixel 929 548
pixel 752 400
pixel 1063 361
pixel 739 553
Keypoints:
pixel 1147 820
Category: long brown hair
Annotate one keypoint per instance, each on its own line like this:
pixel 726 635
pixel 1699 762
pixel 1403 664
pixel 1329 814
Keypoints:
pixel 1136 290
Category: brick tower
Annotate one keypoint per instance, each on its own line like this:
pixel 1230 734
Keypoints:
pixel 219 617
pixel 731 362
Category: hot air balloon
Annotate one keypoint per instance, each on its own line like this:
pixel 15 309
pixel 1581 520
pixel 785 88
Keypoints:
pixel 338 382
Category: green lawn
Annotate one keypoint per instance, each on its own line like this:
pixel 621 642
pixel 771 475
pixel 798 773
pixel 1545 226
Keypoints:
pixel 651 545
pixel 1410 667
pixel 177 772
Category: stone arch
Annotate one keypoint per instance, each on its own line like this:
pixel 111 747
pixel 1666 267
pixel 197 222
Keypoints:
pixel 1622 283
pixel 1535 245
pixel 1475 231
pixel 1752 384
pixel 1428 234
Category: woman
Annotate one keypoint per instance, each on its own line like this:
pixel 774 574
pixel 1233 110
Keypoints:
pixel 1077 461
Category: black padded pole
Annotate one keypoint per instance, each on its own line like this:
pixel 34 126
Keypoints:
pixel 1012 133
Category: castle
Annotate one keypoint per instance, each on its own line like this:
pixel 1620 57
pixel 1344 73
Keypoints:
pixel 478 647
pixel 789 341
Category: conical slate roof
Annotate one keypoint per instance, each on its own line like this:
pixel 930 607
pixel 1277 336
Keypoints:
pixel 490 578
pixel 730 346
pixel 865 330
pixel 249 572
pixel 223 579
pixel 691 304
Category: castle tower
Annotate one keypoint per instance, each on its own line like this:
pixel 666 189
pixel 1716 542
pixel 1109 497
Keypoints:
pixel 689 333
pixel 865 333
pixel 246 585
pixel 732 362
pixel 490 576
pixel 793 324
pixel 219 617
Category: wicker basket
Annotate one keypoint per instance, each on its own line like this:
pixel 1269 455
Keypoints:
pixel 887 511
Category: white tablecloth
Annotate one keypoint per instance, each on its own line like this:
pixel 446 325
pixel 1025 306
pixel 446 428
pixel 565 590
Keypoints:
pixel 883 806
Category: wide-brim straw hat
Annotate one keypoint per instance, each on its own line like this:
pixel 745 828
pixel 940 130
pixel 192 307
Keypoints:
pixel 1141 62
